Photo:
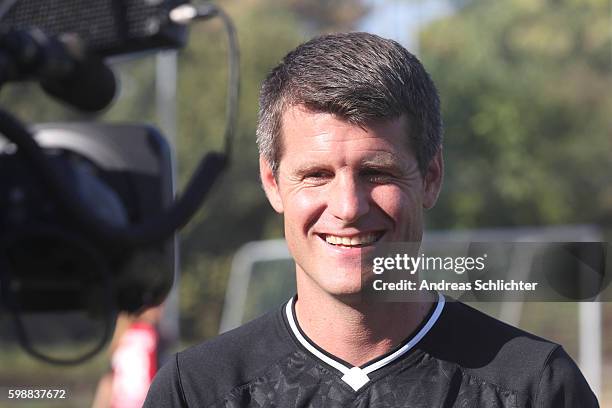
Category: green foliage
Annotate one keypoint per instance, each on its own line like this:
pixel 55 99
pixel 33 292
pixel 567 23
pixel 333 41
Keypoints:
pixel 525 88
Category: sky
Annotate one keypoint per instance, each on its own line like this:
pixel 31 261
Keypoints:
pixel 401 20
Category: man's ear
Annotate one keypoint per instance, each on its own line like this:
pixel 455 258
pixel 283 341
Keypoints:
pixel 268 181
pixel 432 181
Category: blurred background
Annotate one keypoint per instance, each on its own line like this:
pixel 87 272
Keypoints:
pixel 526 90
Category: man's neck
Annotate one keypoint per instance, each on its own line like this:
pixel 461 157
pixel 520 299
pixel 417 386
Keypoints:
pixel 358 332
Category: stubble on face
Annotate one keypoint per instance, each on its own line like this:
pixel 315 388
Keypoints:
pixel 338 182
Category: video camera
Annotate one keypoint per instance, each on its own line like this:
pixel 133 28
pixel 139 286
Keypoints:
pixel 87 210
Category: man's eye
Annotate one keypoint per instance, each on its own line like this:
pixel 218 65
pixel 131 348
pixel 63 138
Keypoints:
pixel 376 176
pixel 317 175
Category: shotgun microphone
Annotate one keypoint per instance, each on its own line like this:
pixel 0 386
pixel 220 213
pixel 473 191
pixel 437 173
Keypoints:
pixel 61 64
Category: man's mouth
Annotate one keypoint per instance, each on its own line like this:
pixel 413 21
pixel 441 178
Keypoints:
pixel 353 241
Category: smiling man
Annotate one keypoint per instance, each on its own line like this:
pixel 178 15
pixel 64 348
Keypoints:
pixel 351 155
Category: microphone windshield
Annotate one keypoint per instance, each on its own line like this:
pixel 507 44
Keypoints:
pixel 90 87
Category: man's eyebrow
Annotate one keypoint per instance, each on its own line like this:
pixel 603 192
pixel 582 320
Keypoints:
pixel 383 161
pixel 307 167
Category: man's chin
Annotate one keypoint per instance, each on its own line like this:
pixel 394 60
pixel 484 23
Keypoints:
pixel 350 299
pixel 348 294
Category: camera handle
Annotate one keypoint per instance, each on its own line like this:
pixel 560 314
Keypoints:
pixel 140 235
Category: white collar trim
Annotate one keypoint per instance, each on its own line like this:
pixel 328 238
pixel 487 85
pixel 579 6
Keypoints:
pixel 357 377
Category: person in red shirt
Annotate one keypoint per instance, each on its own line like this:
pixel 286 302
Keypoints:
pixel 133 361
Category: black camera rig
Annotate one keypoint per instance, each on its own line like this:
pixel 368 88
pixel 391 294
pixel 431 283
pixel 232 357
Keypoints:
pixel 87 212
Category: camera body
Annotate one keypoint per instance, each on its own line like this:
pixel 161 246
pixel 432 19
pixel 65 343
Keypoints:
pixel 121 171
pixel 88 216
pixel 54 263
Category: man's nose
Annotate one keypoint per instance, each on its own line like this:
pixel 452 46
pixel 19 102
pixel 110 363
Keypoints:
pixel 349 198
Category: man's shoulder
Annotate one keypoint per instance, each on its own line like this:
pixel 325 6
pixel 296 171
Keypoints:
pixel 489 350
pixel 260 337
pixel 213 368
pixel 471 329
pixel 481 343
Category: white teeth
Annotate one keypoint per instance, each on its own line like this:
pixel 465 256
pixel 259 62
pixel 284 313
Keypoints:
pixel 351 241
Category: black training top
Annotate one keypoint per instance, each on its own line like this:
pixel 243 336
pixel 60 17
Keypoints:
pixel 458 357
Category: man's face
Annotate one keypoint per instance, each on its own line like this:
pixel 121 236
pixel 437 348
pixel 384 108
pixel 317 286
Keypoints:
pixel 344 190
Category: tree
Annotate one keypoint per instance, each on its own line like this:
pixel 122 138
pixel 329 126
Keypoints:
pixel 525 88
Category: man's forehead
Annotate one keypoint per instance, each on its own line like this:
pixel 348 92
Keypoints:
pixel 295 117
pixel 292 112
pixel 384 143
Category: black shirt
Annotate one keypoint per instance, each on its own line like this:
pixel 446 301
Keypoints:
pixel 458 357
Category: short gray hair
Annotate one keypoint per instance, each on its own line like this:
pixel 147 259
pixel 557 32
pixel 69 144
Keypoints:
pixel 360 77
